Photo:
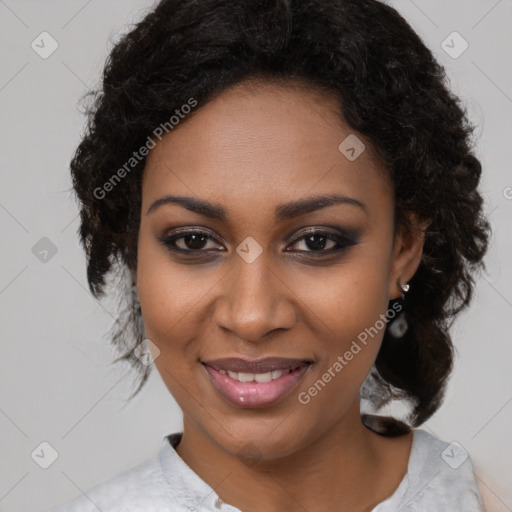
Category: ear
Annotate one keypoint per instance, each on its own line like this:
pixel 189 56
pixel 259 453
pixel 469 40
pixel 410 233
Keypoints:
pixel 407 252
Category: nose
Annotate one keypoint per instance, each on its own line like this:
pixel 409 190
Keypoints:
pixel 255 300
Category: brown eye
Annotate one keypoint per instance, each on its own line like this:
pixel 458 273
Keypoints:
pixel 321 242
pixel 317 242
pixel 190 241
pixel 193 241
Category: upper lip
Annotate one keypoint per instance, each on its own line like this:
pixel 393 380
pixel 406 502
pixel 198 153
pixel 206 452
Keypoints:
pixel 267 364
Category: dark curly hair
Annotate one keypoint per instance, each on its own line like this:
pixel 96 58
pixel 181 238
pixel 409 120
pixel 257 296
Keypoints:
pixel 390 89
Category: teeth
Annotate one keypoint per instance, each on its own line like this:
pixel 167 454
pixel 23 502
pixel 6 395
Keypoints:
pixel 245 377
pixel 258 377
pixel 277 373
pixel 263 377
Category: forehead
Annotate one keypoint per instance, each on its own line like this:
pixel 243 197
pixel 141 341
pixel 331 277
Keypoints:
pixel 259 143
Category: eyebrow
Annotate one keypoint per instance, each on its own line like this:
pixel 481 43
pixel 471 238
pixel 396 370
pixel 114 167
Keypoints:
pixel 284 211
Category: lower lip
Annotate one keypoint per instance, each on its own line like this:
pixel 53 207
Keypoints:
pixel 255 394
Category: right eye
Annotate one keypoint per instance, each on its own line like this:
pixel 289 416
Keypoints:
pixel 191 241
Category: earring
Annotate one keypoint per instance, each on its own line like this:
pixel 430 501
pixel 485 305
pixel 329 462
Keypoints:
pixel 399 326
pixel 405 288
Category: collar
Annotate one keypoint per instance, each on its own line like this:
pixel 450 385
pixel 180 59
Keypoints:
pixel 188 489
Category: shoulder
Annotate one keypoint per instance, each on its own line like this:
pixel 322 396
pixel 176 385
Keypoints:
pixel 140 488
pixel 440 477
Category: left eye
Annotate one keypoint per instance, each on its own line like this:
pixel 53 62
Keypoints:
pixel 323 242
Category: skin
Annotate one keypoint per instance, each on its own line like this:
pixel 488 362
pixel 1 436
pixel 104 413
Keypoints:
pixel 251 148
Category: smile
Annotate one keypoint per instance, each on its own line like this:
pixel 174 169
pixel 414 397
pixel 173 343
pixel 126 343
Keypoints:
pixel 256 389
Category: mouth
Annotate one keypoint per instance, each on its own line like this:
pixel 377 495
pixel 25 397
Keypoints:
pixel 257 383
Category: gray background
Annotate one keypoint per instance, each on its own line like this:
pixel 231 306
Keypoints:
pixel 56 384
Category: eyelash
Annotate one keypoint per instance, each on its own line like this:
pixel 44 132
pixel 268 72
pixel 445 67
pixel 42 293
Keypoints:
pixel 344 242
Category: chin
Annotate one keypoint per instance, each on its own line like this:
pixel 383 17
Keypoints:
pixel 264 441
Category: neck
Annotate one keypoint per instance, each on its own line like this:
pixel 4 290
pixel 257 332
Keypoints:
pixel 339 470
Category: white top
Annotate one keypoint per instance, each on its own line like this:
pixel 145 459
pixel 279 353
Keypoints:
pixel 439 478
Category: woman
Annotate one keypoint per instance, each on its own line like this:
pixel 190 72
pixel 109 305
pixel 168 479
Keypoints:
pixel 290 190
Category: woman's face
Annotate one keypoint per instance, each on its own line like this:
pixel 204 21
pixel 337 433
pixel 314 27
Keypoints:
pixel 256 282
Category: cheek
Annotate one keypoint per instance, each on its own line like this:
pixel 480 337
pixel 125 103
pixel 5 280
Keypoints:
pixel 167 302
pixel 348 298
pixel 164 288
pixel 348 308
pixel 165 294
